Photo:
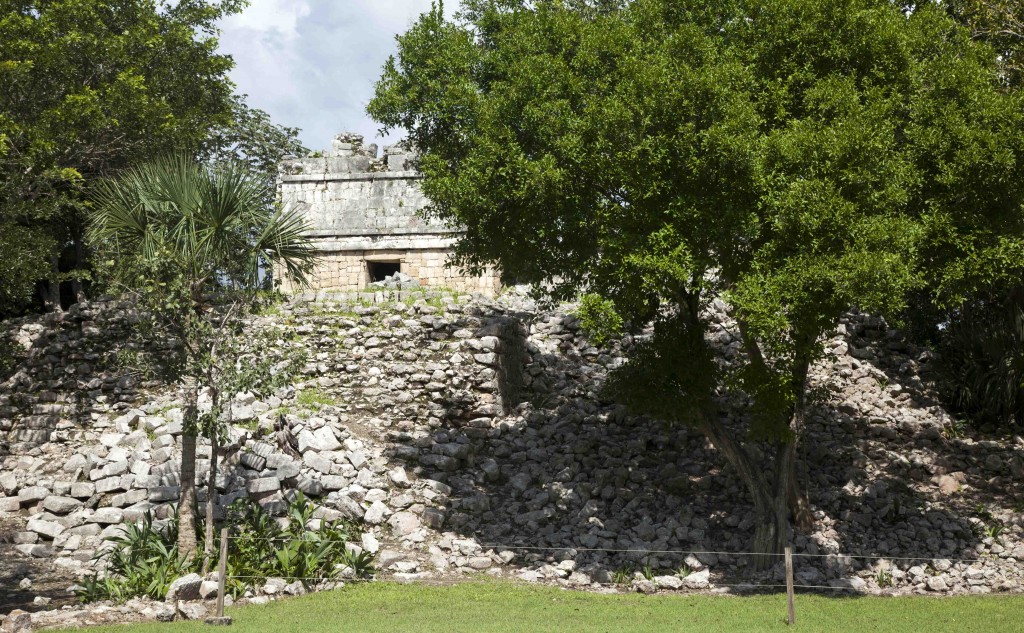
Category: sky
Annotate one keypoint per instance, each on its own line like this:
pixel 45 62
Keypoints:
pixel 312 64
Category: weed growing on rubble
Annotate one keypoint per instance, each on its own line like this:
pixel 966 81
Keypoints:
pixel 142 560
pixel 260 548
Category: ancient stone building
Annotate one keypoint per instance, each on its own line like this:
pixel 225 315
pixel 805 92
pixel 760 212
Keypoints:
pixel 363 211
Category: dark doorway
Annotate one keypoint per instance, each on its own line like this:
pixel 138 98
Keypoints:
pixel 379 270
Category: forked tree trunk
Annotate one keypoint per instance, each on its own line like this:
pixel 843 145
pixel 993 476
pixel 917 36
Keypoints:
pixel 769 538
pixel 775 500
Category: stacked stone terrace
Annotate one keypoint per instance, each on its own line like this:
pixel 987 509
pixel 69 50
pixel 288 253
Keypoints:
pixel 366 220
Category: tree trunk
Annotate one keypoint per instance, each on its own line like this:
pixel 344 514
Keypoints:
pixel 211 500
pixel 211 484
pixel 49 290
pixel 771 527
pixel 76 283
pixel 187 501
pixel 187 498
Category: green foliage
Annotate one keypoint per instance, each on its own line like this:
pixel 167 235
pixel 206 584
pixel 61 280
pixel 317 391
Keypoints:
pixel 24 258
pixel 796 158
pixel 88 88
pixel 981 368
pixel 598 318
pixel 142 561
pixel 314 398
pixel 260 548
pixel 884 578
pixel 191 244
pixel 675 360
pixel 623 575
pixel 1001 24
pixel 254 140
pixel 10 356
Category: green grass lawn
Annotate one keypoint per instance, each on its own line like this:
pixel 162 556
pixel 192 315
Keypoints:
pixel 510 608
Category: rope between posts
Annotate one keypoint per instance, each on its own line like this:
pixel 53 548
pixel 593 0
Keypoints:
pixel 658 551
pixel 326 579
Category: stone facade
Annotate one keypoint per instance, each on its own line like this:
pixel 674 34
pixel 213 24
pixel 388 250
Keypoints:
pixel 364 214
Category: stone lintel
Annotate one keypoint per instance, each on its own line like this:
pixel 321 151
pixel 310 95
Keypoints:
pixel 387 242
pixel 342 176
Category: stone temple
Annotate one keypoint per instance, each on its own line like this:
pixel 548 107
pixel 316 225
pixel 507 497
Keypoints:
pixel 365 221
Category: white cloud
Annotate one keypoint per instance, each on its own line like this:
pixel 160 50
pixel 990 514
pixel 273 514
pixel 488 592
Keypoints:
pixel 281 16
pixel 312 64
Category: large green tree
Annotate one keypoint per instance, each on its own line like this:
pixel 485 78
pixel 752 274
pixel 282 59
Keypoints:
pixel 799 158
pixel 999 22
pixel 88 87
pixel 192 244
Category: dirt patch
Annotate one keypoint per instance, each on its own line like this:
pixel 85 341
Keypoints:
pixel 14 567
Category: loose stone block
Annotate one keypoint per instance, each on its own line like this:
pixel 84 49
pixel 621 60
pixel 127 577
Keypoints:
pixel 49 529
pixel 266 484
pixel 164 493
pixel 252 461
pixel 107 516
pixel 110 484
pixel 32 494
pixel 61 505
pixel 82 490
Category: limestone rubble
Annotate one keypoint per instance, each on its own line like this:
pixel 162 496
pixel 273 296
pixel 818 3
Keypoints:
pixel 469 435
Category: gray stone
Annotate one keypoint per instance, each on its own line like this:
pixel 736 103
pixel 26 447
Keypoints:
pixel 937 583
pixel 185 588
pixel 110 484
pixel 164 493
pixel 32 494
pixel 49 529
pixel 404 523
pixel 480 562
pixel 376 513
pixel 266 484
pixel 252 461
pixel 333 482
pixel 82 490
pixel 107 516
pixel 274 586
pixel 194 611
pixel 310 487
pixel 321 440
pixel 698 580
pixel 61 505
pixel 8 483
pixel 668 582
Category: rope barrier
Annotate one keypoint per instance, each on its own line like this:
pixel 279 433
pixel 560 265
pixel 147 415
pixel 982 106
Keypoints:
pixel 499 547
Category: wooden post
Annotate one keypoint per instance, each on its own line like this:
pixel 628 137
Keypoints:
pixel 222 572
pixel 789 584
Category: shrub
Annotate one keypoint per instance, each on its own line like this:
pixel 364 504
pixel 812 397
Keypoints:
pixel 260 548
pixel 982 366
pixel 142 561
pixel 10 356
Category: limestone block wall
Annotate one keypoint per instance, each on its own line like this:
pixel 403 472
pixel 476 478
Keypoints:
pixel 361 210
pixel 348 271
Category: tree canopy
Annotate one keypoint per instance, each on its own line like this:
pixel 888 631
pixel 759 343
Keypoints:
pixel 799 158
pixel 183 238
pixel 87 88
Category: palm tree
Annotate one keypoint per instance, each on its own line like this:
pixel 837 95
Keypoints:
pixel 183 238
